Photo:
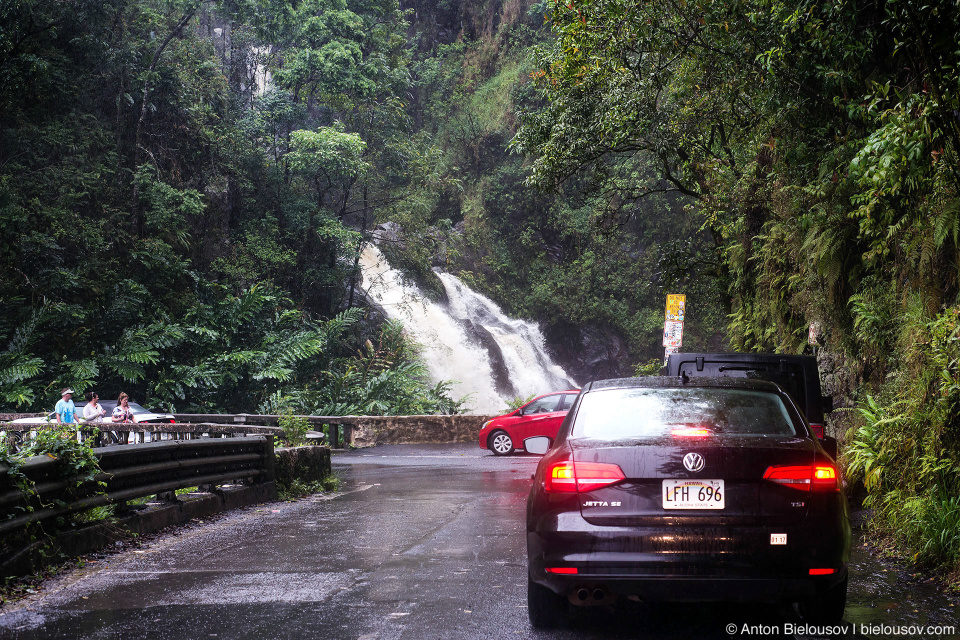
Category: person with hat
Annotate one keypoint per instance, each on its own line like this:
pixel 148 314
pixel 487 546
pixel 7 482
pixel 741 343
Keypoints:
pixel 66 411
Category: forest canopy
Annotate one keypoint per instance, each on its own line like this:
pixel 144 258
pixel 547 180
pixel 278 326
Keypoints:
pixel 184 188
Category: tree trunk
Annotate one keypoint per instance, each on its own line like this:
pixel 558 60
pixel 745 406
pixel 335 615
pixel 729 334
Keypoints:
pixel 137 216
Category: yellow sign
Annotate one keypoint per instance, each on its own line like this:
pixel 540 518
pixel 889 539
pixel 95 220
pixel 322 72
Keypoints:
pixel 676 303
pixel 673 322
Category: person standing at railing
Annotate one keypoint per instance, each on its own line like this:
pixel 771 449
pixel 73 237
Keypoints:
pixel 123 414
pixel 66 411
pixel 93 412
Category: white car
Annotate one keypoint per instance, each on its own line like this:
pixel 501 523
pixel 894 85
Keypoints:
pixel 47 419
pixel 139 415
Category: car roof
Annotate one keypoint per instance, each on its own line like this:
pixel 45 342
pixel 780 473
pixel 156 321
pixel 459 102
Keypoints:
pixel 664 382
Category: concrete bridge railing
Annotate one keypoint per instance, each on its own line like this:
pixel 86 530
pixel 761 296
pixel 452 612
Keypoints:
pixel 355 431
pixel 367 431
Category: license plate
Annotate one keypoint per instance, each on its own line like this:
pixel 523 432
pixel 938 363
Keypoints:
pixel 693 494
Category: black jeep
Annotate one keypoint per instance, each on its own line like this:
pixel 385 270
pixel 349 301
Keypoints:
pixel 797 375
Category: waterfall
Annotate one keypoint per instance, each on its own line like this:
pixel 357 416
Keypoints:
pixel 469 340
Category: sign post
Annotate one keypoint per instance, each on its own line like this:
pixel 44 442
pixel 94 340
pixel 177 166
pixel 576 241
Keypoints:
pixel 673 323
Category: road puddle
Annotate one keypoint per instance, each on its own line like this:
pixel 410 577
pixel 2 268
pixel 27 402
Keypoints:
pixel 886 596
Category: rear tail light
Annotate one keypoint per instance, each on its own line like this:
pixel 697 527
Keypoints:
pixel 580 477
pixel 564 570
pixel 822 572
pixel 820 477
pixel 817 430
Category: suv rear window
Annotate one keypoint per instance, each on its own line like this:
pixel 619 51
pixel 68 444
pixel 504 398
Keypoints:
pixel 615 414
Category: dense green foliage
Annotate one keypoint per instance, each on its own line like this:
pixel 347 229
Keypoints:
pixel 388 378
pixel 176 228
pixel 76 463
pixel 818 145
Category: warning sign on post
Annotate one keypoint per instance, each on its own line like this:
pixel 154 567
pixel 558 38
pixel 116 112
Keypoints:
pixel 676 303
pixel 673 322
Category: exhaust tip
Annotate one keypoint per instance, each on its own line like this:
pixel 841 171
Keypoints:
pixel 589 595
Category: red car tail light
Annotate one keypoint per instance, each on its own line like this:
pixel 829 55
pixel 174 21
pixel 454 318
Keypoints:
pixel 564 570
pixel 568 476
pixel 822 572
pixel 820 477
pixel 817 430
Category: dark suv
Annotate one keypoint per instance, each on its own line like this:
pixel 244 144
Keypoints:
pixel 797 375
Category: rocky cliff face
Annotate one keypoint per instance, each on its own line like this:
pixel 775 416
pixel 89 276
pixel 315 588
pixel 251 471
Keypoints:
pixel 590 353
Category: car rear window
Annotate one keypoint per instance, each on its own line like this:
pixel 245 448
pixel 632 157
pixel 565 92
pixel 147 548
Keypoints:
pixel 613 414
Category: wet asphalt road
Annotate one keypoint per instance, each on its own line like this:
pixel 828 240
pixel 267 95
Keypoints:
pixel 421 542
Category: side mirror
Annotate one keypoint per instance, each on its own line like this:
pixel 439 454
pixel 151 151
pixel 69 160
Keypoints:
pixel 830 446
pixel 537 445
pixel 827 402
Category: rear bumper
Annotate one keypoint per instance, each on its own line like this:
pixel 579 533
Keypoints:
pixel 686 589
pixel 702 564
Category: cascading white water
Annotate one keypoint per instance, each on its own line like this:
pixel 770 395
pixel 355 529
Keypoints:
pixel 491 356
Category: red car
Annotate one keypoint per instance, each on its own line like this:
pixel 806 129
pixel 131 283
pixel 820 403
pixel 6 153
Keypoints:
pixel 539 417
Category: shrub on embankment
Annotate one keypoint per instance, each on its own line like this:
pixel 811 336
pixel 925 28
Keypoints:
pixel 905 445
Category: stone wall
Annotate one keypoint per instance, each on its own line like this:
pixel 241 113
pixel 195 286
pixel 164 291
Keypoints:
pixel 307 464
pixel 7 417
pixel 369 431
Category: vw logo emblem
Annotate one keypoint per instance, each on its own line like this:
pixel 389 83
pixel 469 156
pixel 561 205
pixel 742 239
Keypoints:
pixel 693 462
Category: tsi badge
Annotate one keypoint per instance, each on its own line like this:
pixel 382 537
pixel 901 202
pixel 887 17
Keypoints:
pixel 778 538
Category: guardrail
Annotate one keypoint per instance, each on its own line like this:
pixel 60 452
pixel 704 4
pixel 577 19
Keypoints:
pixel 129 472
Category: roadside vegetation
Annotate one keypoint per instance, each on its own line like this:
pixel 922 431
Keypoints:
pixel 818 145
pixel 300 488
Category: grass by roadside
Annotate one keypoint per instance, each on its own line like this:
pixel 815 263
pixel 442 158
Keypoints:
pixel 300 488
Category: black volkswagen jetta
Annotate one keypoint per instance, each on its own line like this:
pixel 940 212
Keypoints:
pixel 681 489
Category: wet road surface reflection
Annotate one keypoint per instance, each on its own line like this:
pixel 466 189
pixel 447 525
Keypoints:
pixel 421 542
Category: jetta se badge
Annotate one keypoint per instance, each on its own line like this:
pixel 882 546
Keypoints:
pixel 693 462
